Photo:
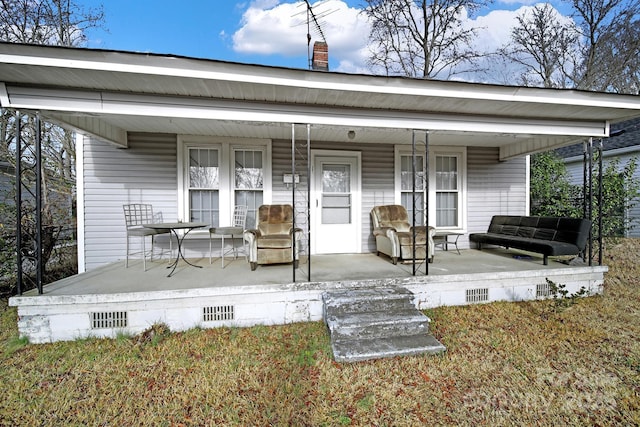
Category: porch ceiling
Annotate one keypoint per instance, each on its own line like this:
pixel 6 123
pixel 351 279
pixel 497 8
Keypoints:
pixel 109 93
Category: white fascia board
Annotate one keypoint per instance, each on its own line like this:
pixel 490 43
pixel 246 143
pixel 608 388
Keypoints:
pixel 207 109
pixel 255 74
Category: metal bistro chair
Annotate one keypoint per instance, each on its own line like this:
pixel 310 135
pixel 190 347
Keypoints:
pixel 236 230
pixel 135 215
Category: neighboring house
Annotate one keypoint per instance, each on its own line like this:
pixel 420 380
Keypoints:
pixel 182 133
pixel 623 147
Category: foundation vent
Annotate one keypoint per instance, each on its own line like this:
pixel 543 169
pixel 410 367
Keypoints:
pixel 217 313
pixel 543 290
pixel 109 319
pixel 477 295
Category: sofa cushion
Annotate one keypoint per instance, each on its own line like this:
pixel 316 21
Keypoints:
pixel 267 229
pixel 399 226
pixel 405 238
pixel 526 231
pixel 509 230
pixel 274 241
pixel 544 234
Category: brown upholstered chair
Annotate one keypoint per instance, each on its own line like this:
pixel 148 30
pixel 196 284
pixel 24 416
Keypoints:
pixel 394 234
pixel 272 240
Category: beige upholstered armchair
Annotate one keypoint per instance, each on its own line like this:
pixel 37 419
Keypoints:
pixel 394 234
pixel 272 240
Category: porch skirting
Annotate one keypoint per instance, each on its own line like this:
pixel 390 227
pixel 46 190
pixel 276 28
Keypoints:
pixel 48 318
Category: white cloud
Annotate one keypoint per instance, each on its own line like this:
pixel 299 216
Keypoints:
pixel 270 27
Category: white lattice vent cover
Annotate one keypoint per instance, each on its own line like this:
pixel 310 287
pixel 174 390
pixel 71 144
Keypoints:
pixel 477 295
pixel 543 290
pixel 109 319
pixel 217 313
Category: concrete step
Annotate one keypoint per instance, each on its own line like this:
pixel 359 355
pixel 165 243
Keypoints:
pixel 374 323
pixel 377 324
pixel 363 300
pixel 367 349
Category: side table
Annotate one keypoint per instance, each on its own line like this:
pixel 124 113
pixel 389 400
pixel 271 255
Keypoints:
pixel 441 238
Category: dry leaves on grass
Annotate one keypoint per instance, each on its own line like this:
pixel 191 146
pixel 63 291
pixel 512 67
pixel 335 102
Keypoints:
pixel 505 365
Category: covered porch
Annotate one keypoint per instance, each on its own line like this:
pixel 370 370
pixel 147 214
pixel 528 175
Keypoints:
pixel 112 299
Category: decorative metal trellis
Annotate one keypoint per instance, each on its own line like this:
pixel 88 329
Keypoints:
pixel 28 167
pixel 301 197
pixel 420 208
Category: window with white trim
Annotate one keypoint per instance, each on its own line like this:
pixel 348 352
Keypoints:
pixel 407 189
pixel 216 174
pixel 447 175
pixel 249 180
pixel 204 185
pixel 447 191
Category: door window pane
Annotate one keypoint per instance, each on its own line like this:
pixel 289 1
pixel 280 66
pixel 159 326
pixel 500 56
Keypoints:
pixel 336 194
pixel 336 178
pixel 336 209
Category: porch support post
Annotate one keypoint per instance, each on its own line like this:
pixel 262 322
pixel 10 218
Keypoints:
pixel 591 200
pixel 600 199
pixel 413 200
pixel 424 211
pixel 18 202
pixel 293 195
pixel 38 248
pixel 584 179
pixel 308 201
pixel 426 196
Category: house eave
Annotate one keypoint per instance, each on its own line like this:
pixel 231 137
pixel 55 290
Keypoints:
pixel 94 90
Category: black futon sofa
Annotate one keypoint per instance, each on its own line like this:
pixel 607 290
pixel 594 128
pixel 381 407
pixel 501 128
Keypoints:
pixel 549 236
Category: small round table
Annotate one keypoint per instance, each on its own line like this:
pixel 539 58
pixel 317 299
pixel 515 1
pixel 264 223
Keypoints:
pixel 174 227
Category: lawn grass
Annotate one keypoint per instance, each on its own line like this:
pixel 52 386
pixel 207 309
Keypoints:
pixel 529 363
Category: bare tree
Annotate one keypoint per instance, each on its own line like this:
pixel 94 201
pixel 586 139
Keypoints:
pixel 48 22
pixel 544 46
pixel 611 34
pixel 421 38
pixel 599 51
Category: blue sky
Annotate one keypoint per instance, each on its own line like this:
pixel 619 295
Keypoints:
pixel 269 32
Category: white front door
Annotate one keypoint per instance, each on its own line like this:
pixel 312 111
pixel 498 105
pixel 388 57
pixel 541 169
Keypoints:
pixel 335 206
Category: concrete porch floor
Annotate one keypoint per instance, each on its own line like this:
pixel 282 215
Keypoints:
pixel 113 299
pixel 115 278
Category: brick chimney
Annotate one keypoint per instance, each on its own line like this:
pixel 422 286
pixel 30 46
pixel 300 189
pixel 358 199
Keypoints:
pixel 320 59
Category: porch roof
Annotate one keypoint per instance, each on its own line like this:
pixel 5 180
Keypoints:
pixel 109 93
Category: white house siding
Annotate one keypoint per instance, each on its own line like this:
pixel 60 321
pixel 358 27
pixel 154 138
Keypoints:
pixel 575 175
pixel 493 188
pixel 146 172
